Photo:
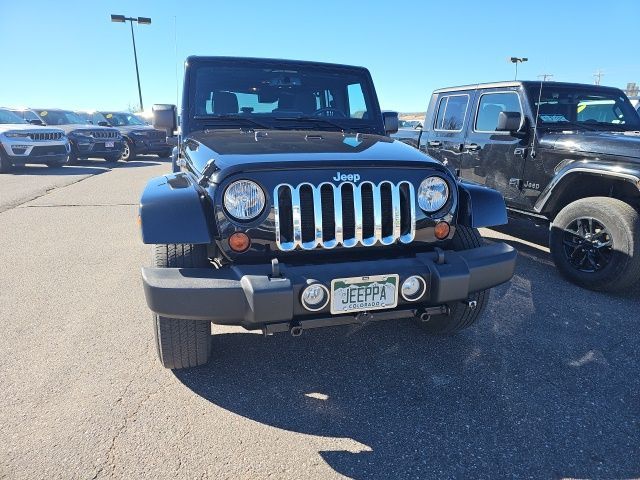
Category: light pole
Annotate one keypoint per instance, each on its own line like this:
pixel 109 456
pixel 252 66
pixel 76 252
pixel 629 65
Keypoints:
pixel 517 60
pixel 140 21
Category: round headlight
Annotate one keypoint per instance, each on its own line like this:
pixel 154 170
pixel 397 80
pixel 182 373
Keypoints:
pixel 244 200
pixel 433 194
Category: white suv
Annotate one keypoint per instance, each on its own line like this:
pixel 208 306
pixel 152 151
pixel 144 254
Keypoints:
pixel 21 143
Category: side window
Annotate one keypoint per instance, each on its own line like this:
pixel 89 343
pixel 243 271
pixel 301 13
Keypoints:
pixel 451 112
pixel 357 104
pixel 490 106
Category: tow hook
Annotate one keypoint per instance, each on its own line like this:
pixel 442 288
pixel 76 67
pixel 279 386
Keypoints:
pixel 295 330
pixel 364 317
pixel 425 314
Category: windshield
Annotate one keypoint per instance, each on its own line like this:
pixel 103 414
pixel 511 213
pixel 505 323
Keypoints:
pixel 271 97
pixel 60 117
pixel 9 117
pixel 584 107
pixel 122 119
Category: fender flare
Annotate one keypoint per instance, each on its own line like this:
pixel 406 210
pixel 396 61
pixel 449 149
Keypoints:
pixel 173 209
pixel 620 172
pixel 480 206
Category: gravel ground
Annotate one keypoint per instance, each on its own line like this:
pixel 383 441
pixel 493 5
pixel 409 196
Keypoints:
pixel 546 385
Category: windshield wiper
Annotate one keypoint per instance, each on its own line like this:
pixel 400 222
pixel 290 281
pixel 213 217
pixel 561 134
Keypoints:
pixel 566 123
pixel 233 118
pixel 316 120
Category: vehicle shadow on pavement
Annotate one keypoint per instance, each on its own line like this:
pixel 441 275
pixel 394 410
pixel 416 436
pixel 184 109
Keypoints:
pixel 57 171
pixel 545 385
pixel 137 163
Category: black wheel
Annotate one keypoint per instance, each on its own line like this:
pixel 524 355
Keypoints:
pixel 129 152
pixel 73 159
pixel 461 314
pixel 166 153
pixel 5 164
pixel 595 243
pixel 181 343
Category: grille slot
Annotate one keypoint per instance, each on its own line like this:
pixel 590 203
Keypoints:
pixel 309 216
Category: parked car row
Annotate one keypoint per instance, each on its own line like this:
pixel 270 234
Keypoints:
pixel 57 137
pixel 562 154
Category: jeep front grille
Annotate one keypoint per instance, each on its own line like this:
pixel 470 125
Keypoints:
pixel 102 133
pixel 327 215
pixel 42 136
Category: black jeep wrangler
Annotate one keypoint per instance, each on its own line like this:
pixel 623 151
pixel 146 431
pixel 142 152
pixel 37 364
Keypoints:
pixel 291 209
pixel 561 153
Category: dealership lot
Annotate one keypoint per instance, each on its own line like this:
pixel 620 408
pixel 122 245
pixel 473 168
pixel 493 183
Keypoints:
pixel 546 385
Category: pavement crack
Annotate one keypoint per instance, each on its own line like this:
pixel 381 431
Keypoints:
pixel 80 205
pixel 31 198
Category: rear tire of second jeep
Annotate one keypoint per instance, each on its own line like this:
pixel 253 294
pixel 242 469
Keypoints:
pixel 181 343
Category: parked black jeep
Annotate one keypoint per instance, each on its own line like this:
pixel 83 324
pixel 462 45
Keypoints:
pixel 139 138
pixel 87 141
pixel 292 210
pixel 577 167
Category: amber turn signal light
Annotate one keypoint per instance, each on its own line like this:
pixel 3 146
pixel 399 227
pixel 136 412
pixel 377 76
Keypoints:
pixel 442 230
pixel 239 242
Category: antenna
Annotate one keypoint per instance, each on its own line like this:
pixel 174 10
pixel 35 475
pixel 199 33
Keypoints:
pixel 175 61
pixel 535 124
pixel 598 76
pixel 545 76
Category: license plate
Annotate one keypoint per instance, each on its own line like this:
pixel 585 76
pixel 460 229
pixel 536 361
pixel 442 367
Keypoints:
pixel 357 294
pixel 109 144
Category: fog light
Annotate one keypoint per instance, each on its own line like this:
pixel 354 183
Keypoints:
pixel 442 230
pixel 413 288
pixel 315 297
pixel 239 242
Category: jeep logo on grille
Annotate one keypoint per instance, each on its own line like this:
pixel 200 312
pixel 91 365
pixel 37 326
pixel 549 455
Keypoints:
pixel 344 177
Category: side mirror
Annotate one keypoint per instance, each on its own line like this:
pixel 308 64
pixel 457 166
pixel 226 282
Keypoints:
pixel 509 122
pixel 165 118
pixel 390 120
pixel 36 121
pixel 102 123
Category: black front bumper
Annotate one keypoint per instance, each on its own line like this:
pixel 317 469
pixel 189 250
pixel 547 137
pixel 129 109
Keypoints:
pixel 152 146
pixel 246 295
pixel 97 149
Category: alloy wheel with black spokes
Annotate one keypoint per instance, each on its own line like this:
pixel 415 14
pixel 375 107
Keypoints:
pixel 588 245
pixel 595 243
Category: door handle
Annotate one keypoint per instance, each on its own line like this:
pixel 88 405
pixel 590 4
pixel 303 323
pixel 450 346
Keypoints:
pixel 434 143
pixel 472 147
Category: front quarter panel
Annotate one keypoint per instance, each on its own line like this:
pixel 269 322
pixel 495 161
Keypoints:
pixel 481 206
pixel 173 209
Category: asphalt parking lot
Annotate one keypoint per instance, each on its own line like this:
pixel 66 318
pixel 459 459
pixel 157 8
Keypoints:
pixel 545 386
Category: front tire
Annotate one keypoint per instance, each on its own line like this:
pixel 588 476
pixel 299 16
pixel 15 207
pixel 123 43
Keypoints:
pixel 181 343
pixel 462 314
pixel 165 153
pixel 129 152
pixel 595 243
pixel 5 164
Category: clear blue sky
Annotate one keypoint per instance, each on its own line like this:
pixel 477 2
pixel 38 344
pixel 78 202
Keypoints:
pixel 68 54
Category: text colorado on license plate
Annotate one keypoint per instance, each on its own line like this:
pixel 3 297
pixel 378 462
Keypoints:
pixel 358 294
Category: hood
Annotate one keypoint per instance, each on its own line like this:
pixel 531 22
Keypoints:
pixel 134 128
pixel 6 127
pixel 621 144
pixel 74 127
pixel 246 150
